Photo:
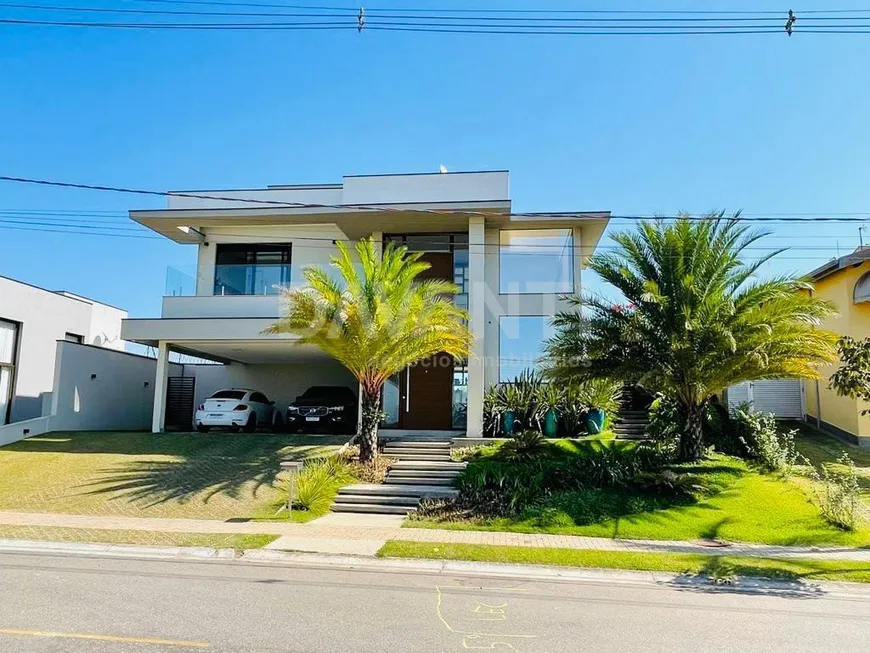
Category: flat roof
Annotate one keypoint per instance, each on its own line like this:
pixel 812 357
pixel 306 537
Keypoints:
pixel 63 293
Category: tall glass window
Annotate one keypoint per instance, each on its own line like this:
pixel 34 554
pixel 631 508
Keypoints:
pixel 521 344
pixel 261 269
pixel 536 261
pixel 8 352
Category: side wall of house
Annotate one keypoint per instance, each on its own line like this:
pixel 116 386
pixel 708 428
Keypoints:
pixel 841 414
pixel 44 318
pixel 98 389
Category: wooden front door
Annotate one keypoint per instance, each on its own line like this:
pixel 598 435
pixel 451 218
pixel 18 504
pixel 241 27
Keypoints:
pixel 427 394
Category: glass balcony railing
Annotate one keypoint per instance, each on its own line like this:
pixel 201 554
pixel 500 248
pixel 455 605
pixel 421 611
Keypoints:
pixel 235 280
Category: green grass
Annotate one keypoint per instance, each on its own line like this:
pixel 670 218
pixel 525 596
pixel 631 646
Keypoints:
pixel 819 447
pixel 745 506
pixel 188 475
pixel 717 566
pixel 239 542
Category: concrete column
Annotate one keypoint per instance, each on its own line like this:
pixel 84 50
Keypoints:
pixel 158 419
pixel 378 237
pixel 578 259
pixel 477 310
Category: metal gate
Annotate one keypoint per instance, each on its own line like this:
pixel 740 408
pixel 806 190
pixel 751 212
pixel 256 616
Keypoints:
pixel 179 403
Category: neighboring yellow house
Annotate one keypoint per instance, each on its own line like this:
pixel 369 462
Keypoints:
pixel 846 282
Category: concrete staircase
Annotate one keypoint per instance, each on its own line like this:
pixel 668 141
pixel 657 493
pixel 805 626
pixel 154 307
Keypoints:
pixel 630 422
pixel 423 470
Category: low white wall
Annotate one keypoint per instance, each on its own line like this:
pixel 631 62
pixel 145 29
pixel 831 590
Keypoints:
pixel 20 430
pixel 280 383
pixel 97 389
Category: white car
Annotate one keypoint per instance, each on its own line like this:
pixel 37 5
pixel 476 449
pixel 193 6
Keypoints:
pixel 237 408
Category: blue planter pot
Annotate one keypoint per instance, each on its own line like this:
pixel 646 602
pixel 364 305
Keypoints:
pixel 507 422
pixel 551 423
pixel 595 421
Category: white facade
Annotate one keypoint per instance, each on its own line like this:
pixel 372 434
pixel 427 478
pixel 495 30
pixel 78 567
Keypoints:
pixel 39 318
pixel 218 311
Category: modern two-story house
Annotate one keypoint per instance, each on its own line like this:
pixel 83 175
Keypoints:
pixel 513 269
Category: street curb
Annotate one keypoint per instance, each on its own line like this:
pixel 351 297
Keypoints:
pixel 543 573
pixel 116 550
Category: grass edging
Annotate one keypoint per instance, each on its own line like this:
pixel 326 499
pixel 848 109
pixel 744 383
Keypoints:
pixel 710 565
pixel 237 541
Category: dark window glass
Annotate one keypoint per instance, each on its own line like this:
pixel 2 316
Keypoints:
pixel 255 269
pixel 8 355
pixel 228 394
pixel 259 397
pixel 74 337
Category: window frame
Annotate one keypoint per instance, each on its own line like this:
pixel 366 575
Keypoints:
pixel 12 366
pixel 251 250
pixel 505 249
pixel 547 324
pixel 864 279
pixel 74 337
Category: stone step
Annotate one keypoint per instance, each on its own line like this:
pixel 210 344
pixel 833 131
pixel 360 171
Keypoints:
pixel 431 457
pixel 433 465
pixel 398 489
pixel 419 481
pixel 421 473
pixel 384 500
pixel 429 451
pixel 371 508
pixel 421 444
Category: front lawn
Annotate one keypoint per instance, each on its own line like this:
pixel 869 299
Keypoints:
pixel 189 475
pixel 721 567
pixel 239 542
pixel 739 504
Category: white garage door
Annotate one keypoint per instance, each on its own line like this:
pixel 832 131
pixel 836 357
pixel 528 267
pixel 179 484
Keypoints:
pixel 782 397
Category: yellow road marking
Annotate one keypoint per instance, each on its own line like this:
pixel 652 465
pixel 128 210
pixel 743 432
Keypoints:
pixel 104 638
pixel 470 634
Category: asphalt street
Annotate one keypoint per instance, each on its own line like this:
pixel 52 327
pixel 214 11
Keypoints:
pixel 67 603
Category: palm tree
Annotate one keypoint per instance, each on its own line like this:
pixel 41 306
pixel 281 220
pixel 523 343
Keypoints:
pixel 376 321
pixel 695 321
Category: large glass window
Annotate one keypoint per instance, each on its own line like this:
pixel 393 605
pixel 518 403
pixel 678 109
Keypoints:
pixel 521 343
pixel 536 261
pixel 8 352
pixel 261 269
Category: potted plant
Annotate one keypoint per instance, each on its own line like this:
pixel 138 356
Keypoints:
pixel 600 397
pixel 550 400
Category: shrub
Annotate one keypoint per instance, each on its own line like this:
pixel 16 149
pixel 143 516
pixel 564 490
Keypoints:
pixel 523 445
pixel 838 492
pixel 318 482
pixel 761 441
pixel 668 483
pixel 665 426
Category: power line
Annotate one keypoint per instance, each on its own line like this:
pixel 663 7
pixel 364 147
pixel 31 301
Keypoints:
pixel 395 209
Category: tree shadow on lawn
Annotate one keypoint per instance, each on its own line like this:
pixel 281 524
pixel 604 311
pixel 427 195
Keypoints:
pixel 239 469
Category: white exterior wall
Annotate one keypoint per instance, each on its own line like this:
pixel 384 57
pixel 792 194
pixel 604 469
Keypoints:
pixel 119 397
pixel 99 389
pixel 367 189
pixel 280 383
pixel 46 317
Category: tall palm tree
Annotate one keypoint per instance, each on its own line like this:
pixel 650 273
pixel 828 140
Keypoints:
pixel 376 321
pixel 695 320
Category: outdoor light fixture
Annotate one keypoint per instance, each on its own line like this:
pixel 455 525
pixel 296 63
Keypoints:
pixel 187 229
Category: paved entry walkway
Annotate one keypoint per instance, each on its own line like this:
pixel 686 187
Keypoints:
pixel 361 537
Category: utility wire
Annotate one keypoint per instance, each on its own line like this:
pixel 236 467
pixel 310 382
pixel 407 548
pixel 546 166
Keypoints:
pixel 396 209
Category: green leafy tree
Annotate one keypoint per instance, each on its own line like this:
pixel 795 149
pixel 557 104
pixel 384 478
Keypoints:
pixel 375 320
pixel 695 321
pixel 852 379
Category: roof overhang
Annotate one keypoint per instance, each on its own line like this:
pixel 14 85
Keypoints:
pixel 854 259
pixel 179 224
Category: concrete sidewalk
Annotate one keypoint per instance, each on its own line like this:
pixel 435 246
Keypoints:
pixel 365 537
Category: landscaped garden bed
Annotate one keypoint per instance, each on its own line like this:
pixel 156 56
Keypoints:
pixel 617 489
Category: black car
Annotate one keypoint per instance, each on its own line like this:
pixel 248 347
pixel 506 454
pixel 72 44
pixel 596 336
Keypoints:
pixel 324 408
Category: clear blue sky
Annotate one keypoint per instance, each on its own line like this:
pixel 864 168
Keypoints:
pixel 634 125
